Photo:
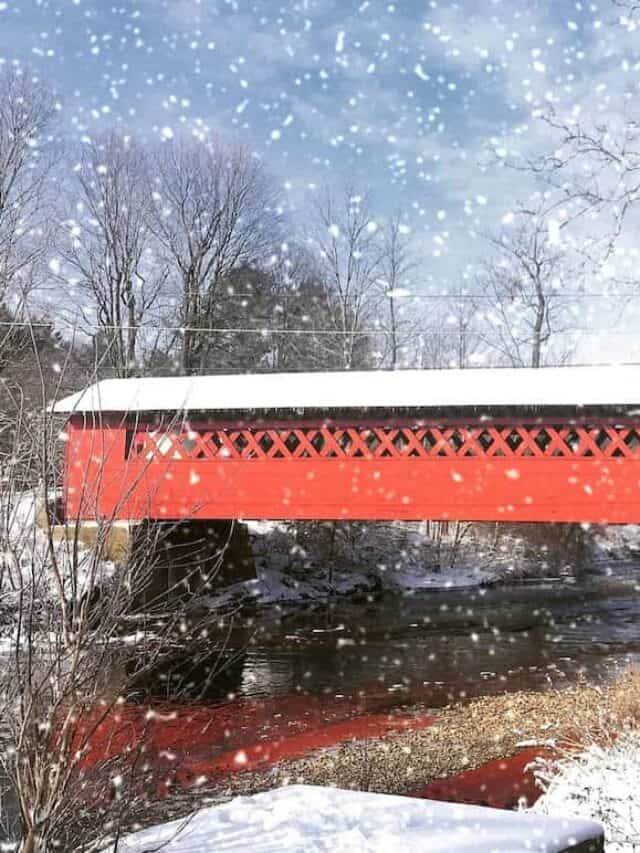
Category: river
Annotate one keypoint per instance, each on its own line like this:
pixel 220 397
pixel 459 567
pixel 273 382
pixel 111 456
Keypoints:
pixel 301 669
pixel 433 644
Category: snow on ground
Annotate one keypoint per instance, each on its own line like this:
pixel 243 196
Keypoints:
pixel 374 556
pixel 293 567
pixel 411 577
pixel 26 558
pixel 602 783
pixel 618 542
pixel 293 561
pixel 277 585
pixel 308 819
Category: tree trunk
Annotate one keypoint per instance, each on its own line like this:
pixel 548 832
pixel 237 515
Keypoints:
pixel 394 337
pixel 536 351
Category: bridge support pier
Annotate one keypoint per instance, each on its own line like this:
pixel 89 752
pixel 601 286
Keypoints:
pixel 182 557
pixel 193 553
pixel 193 556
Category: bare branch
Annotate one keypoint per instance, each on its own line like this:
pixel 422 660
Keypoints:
pixel 397 266
pixel 109 249
pixel 27 110
pixel 525 281
pixel 349 256
pixel 215 210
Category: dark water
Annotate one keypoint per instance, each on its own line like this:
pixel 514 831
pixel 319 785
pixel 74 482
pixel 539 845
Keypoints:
pixel 432 645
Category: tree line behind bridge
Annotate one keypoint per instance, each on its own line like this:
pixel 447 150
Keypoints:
pixel 120 258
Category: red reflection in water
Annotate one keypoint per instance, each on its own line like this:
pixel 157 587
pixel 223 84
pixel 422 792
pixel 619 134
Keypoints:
pixel 182 745
pixel 190 744
pixel 501 784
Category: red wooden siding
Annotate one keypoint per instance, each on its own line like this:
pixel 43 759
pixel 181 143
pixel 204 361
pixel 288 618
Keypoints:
pixel 382 469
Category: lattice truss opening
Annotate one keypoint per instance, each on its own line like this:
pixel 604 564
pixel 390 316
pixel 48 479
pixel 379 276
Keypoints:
pixel 199 442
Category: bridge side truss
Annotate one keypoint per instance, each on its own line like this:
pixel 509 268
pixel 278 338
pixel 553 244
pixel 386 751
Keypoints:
pixel 378 469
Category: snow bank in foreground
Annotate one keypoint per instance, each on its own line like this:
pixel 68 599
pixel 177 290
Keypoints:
pixel 600 783
pixel 304 819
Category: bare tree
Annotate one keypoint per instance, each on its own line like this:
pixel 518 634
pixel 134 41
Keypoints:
pixel 109 248
pixel 592 159
pixel 215 210
pixel 300 314
pixel 349 256
pixel 397 265
pixel 27 110
pixel 591 168
pixel 69 672
pixel 631 7
pixel 244 315
pixel 524 284
pixel 594 174
pixel 454 335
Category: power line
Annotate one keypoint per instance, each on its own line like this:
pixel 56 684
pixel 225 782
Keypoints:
pixel 577 294
pixel 83 326
pixel 267 369
pixel 487 296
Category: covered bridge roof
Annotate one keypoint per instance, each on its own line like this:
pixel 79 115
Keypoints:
pixel 383 389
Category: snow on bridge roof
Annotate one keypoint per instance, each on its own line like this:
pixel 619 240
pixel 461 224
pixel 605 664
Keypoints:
pixel 383 389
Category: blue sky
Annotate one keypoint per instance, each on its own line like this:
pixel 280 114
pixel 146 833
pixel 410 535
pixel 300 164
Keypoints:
pixel 401 98
pixel 400 95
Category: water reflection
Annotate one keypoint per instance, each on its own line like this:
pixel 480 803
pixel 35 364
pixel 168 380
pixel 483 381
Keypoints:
pixel 517 637
pixel 285 676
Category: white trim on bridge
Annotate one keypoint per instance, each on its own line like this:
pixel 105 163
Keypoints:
pixel 375 389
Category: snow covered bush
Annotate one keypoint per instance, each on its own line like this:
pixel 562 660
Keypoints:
pixel 81 638
pixel 602 783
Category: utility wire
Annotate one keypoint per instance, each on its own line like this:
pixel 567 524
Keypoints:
pixel 427 332
pixel 578 294
pixel 237 330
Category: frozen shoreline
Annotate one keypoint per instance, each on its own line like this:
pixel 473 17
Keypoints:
pixel 396 558
pixel 303 566
pixel 464 736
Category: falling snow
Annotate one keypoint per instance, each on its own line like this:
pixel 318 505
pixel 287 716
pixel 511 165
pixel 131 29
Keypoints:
pixel 304 221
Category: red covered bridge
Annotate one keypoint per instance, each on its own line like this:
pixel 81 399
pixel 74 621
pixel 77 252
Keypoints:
pixel 554 444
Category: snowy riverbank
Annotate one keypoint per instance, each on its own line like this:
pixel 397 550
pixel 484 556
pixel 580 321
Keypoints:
pixel 303 564
pixel 302 818
pixel 299 564
pixel 598 784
